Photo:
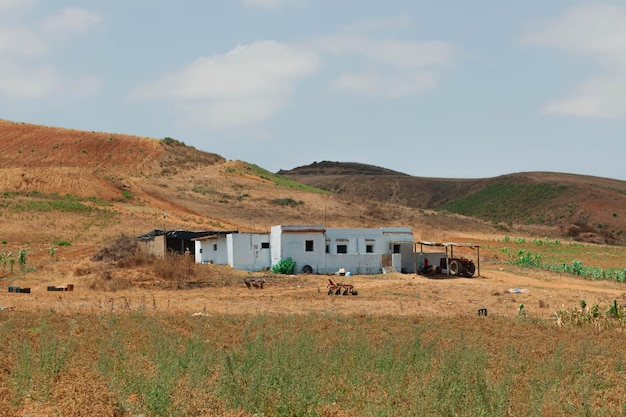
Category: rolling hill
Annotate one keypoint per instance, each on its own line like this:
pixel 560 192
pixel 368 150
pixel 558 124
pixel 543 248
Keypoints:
pixel 138 322
pixel 88 187
pixel 583 208
pixel 64 185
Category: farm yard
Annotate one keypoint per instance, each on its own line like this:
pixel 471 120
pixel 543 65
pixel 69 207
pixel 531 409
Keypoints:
pixel 130 335
pixel 405 345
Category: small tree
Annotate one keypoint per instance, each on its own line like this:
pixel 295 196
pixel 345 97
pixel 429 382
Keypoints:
pixel 22 258
pixel 285 267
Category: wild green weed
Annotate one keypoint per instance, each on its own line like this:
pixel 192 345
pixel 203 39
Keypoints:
pixel 285 266
pixel 313 365
pixel 591 315
pixel 287 201
pixel 21 378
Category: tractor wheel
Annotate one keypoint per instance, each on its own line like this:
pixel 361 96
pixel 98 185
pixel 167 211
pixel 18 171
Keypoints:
pixel 455 267
pixel 469 271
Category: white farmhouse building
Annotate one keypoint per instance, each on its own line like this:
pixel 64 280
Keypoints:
pixel 245 251
pixel 314 248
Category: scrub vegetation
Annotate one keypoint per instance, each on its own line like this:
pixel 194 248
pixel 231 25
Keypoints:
pixel 148 336
pixel 306 365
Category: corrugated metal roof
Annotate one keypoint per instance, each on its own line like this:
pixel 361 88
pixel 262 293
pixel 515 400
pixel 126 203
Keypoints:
pixel 448 244
pixel 184 234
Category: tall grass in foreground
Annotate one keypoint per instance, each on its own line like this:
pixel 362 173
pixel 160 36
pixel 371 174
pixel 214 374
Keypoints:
pixel 312 365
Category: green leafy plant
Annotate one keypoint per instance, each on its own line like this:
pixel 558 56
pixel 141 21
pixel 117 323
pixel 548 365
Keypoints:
pixel 615 311
pixel 284 266
pixel 22 258
pixel 288 201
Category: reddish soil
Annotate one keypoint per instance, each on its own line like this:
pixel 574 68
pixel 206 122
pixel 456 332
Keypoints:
pixel 542 293
pixel 200 192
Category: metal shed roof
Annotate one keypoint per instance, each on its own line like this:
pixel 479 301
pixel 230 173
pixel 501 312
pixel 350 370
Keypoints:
pixel 183 234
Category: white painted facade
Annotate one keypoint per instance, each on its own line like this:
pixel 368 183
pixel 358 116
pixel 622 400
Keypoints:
pixel 212 250
pixel 359 251
pixel 314 248
pixel 249 251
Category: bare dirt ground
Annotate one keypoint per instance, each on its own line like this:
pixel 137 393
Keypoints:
pixel 500 289
pixel 212 193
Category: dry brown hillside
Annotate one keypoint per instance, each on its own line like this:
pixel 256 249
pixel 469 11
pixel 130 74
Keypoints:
pixel 584 208
pixel 67 195
pixel 78 191
pixel 129 182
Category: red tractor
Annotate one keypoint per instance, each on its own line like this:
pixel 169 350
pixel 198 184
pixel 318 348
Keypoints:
pixel 457 266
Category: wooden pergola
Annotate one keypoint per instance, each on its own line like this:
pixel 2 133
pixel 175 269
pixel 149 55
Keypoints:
pixel 449 248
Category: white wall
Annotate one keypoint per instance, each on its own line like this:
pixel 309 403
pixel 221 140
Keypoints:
pixel 290 242
pixel 206 252
pixel 356 260
pixel 245 251
pixel 434 258
pixel 355 264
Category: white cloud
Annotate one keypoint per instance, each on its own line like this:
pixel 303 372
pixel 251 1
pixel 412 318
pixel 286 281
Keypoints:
pixel 598 32
pixel 7 6
pixel 378 24
pixel 24 73
pixel 85 86
pixel 598 98
pixel 20 81
pixel 245 85
pixel 251 83
pixel 69 21
pixel 394 53
pixel 394 68
pixel 21 41
pixel 266 4
pixel 229 113
pixel 374 84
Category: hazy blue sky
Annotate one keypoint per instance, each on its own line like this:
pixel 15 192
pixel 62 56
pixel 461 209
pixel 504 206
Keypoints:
pixel 464 89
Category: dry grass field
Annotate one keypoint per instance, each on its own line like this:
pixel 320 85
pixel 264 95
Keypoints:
pixel 67 194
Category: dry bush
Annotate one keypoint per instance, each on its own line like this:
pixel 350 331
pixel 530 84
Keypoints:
pixel 136 259
pixel 122 247
pixel 106 281
pixel 174 267
pixel 81 271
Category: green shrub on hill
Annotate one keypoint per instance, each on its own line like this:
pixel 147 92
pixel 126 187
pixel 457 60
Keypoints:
pixel 507 202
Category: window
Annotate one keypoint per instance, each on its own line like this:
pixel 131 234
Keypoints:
pixel 308 245
pixel 342 248
pixel 396 248
pixel 327 248
pixel 369 248
pixel 265 245
pixel 215 247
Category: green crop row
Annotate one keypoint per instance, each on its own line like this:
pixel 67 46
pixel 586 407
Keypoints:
pixel 528 259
